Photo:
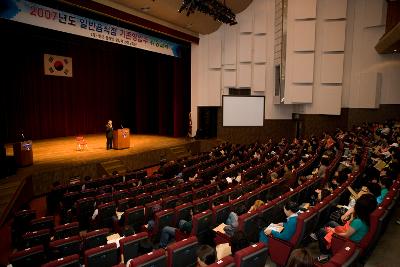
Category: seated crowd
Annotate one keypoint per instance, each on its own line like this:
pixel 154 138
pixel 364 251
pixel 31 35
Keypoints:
pixel 240 202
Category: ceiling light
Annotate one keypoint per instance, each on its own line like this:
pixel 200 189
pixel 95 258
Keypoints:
pixel 214 8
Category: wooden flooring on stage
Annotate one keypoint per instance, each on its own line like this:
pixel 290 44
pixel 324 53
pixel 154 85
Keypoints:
pixel 54 155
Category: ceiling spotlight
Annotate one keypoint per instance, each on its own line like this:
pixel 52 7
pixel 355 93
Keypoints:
pixel 214 8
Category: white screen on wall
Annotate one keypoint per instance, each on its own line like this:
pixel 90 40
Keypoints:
pixel 243 110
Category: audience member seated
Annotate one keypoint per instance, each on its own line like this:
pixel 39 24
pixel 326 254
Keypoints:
pixel 355 229
pixel 289 227
pixel 206 255
pixel 300 257
pixel 168 232
pixel 239 241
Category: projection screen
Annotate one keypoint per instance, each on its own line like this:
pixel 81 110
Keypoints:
pixel 243 110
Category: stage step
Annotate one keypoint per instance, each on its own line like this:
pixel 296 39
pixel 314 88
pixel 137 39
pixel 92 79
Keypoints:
pixel 108 167
pixel 180 151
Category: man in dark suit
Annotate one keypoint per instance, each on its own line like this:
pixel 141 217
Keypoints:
pixel 109 134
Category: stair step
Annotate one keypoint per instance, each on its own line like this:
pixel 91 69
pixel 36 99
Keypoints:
pixel 108 167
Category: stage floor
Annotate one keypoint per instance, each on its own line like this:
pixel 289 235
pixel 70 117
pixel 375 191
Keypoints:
pixel 58 159
pixel 61 151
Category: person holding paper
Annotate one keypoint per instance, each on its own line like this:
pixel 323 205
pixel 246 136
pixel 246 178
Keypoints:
pixel 289 227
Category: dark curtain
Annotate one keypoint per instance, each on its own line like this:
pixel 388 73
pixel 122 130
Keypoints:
pixel 145 91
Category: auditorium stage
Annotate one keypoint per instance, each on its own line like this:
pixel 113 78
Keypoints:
pixel 58 160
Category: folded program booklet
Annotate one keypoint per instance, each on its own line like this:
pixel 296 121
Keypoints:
pixel 275 227
pixel 220 228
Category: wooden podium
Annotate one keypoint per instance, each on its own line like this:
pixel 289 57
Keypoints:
pixel 23 153
pixel 121 139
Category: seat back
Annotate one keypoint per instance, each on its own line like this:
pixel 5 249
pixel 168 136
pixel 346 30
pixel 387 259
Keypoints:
pixel 124 204
pixel 200 205
pixel 266 213
pixel 134 216
pixel 130 245
pixel 238 205
pixel 227 261
pixel 106 212
pixel 201 222
pixel 346 256
pixel 95 238
pixel 155 258
pixel 220 213
pixel 22 220
pixel 375 226
pixel 65 247
pixel 41 237
pixel 248 223
pixel 42 223
pixel 199 192
pixel 183 253
pixel 170 202
pixel 143 199
pixel 33 256
pixel 150 207
pixel 107 255
pixel 252 256
pixel 120 194
pixel 69 261
pixel 66 230
pixel 182 212
pixel 186 196
pixel 164 218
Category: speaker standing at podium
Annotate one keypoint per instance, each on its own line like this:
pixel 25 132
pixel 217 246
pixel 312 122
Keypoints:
pixel 109 134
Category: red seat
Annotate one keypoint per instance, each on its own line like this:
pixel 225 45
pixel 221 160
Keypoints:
pixel 254 255
pixel 150 207
pixel 81 143
pixel 125 203
pixel 33 256
pixel 279 249
pixel 65 247
pixel 369 240
pixel 158 194
pixel 170 202
pixel 238 205
pixel 106 212
pixel 346 256
pixel 227 261
pixel 183 212
pixel 42 223
pixel 66 230
pixel 143 199
pixel 182 253
pixel 129 245
pixel 135 217
pixel 220 213
pixel 95 238
pixel 200 205
pixel 154 258
pixel 70 261
pixel 120 194
pixel 104 198
pixel 163 218
pixel 41 237
pixel 201 223
pixel 186 196
pixel 107 255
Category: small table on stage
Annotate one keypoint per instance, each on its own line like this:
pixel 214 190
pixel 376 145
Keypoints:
pixel 23 153
pixel 121 139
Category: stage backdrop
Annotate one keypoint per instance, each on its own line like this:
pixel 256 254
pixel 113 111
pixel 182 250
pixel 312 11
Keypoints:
pixel 145 91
